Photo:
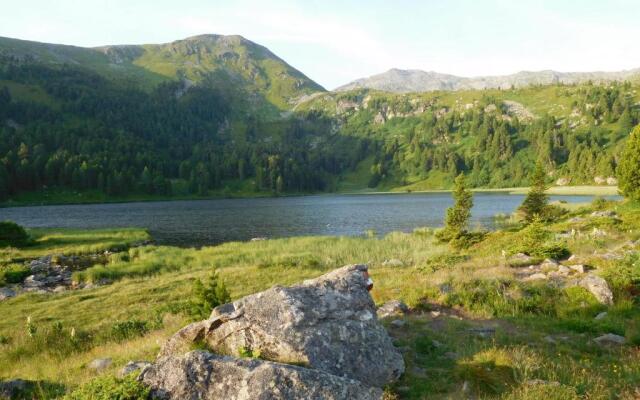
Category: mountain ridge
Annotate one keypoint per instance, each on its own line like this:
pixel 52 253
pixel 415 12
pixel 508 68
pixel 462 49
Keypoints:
pixel 414 80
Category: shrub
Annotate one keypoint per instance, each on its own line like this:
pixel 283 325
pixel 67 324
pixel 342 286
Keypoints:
pixel 535 241
pixel 536 200
pixel 12 234
pixel 442 261
pixel 111 388
pixel 14 273
pixel 129 329
pixel 208 295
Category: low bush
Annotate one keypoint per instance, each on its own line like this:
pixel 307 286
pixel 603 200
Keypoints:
pixel 13 235
pixel 124 330
pixel 442 261
pixel 111 388
pixel 13 273
pixel 208 295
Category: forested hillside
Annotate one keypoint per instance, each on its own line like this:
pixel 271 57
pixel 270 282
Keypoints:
pixel 423 140
pixel 215 115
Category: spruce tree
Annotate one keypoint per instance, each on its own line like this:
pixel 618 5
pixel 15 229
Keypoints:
pixel 457 217
pixel 208 295
pixel 536 201
pixel 629 167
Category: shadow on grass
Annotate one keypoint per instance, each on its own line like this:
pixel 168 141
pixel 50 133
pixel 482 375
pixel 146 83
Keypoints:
pixel 19 389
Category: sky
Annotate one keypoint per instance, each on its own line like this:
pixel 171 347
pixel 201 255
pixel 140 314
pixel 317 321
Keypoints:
pixel 334 42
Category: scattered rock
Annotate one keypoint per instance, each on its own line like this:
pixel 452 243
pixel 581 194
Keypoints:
pixel 398 323
pixel 611 181
pixel 436 344
pixel 598 287
pixel 435 314
pixel 133 366
pixel 394 262
pixel 601 316
pixel 564 270
pixel 536 276
pixel 610 339
pixel 483 332
pixel 328 323
pixel 391 308
pixel 520 259
pixel 598 233
pixel 6 293
pixel 549 339
pixel 99 364
pixel 205 376
pixel 258 239
pixel 580 268
pixel 549 264
pixel 604 214
pixel 563 182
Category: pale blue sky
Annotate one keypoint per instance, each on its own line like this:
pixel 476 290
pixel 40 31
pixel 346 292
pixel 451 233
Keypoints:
pixel 335 41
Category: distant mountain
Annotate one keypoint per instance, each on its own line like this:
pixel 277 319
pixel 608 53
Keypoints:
pixel 405 81
pixel 206 58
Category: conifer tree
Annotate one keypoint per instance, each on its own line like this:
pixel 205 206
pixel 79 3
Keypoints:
pixel 536 201
pixel 457 217
pixel 629 167
pixel 208 295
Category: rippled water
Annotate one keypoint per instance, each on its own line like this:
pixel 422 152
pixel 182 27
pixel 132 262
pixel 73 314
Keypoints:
pixel 202 222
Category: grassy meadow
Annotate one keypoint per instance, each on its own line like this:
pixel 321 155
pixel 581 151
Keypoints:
pixel 539 343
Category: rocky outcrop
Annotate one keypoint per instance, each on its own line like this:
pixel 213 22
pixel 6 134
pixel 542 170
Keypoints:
pixel 316 340
pixel 202 375
pixel 328 323
pixel 392 308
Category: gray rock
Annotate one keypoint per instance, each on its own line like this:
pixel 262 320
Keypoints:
pixel 445 288
pixel 6 293
pixel 549 264
pixel 598 287
pixel 328 323
pixel 601 316
pixel 564 270
pixel 33 281
pixel 133 366
pixel 398 323
pixel 394 262
pixel 484 332
pixel 392 308
pixel 520 259
pixel 99 364
pixel 604 214
pixel 610 339
pixel 205 376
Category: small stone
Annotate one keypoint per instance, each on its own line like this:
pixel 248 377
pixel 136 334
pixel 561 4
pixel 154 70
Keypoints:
pixel 6 293
pixel 483 332
pixel 398 323
pixel 549 339
pixel 601 316
pixel 100 364
pixel 549 264
pixel 394 262
pixel 604 214
pixel 133 366
pixel 534 382
pixel 564 270
pixel 536 276
pixel 610 339
pixel 580 268
pixel 392 307
pixel 445 288
pixel 435 314
pixel 436 344
pixel 466 386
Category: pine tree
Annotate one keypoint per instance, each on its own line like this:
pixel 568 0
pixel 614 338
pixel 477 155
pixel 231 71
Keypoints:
pixel 536 201
pixel 629 167
pixel 457 217
pixel 208 295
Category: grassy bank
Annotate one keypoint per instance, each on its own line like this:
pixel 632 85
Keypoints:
pixel 540 346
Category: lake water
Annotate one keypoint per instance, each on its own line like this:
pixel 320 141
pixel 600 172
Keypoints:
pixel 204 222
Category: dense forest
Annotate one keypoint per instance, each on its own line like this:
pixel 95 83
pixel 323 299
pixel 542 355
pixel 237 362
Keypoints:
pixel 66 126
pixel 120 139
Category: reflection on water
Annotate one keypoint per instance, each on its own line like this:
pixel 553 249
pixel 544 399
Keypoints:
pixel 203 222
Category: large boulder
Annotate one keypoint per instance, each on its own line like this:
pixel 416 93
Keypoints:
pixel 202 375
pixel 328 323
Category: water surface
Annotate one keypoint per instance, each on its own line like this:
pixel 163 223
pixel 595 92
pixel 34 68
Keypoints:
pixel 204 222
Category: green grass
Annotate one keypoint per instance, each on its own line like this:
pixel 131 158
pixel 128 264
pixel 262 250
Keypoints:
pixel 130 318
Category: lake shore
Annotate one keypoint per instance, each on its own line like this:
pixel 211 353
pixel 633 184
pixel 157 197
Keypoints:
pixel 93 198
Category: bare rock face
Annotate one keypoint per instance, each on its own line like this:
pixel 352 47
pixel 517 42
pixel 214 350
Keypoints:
pixel 328 324
pixel 202 375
